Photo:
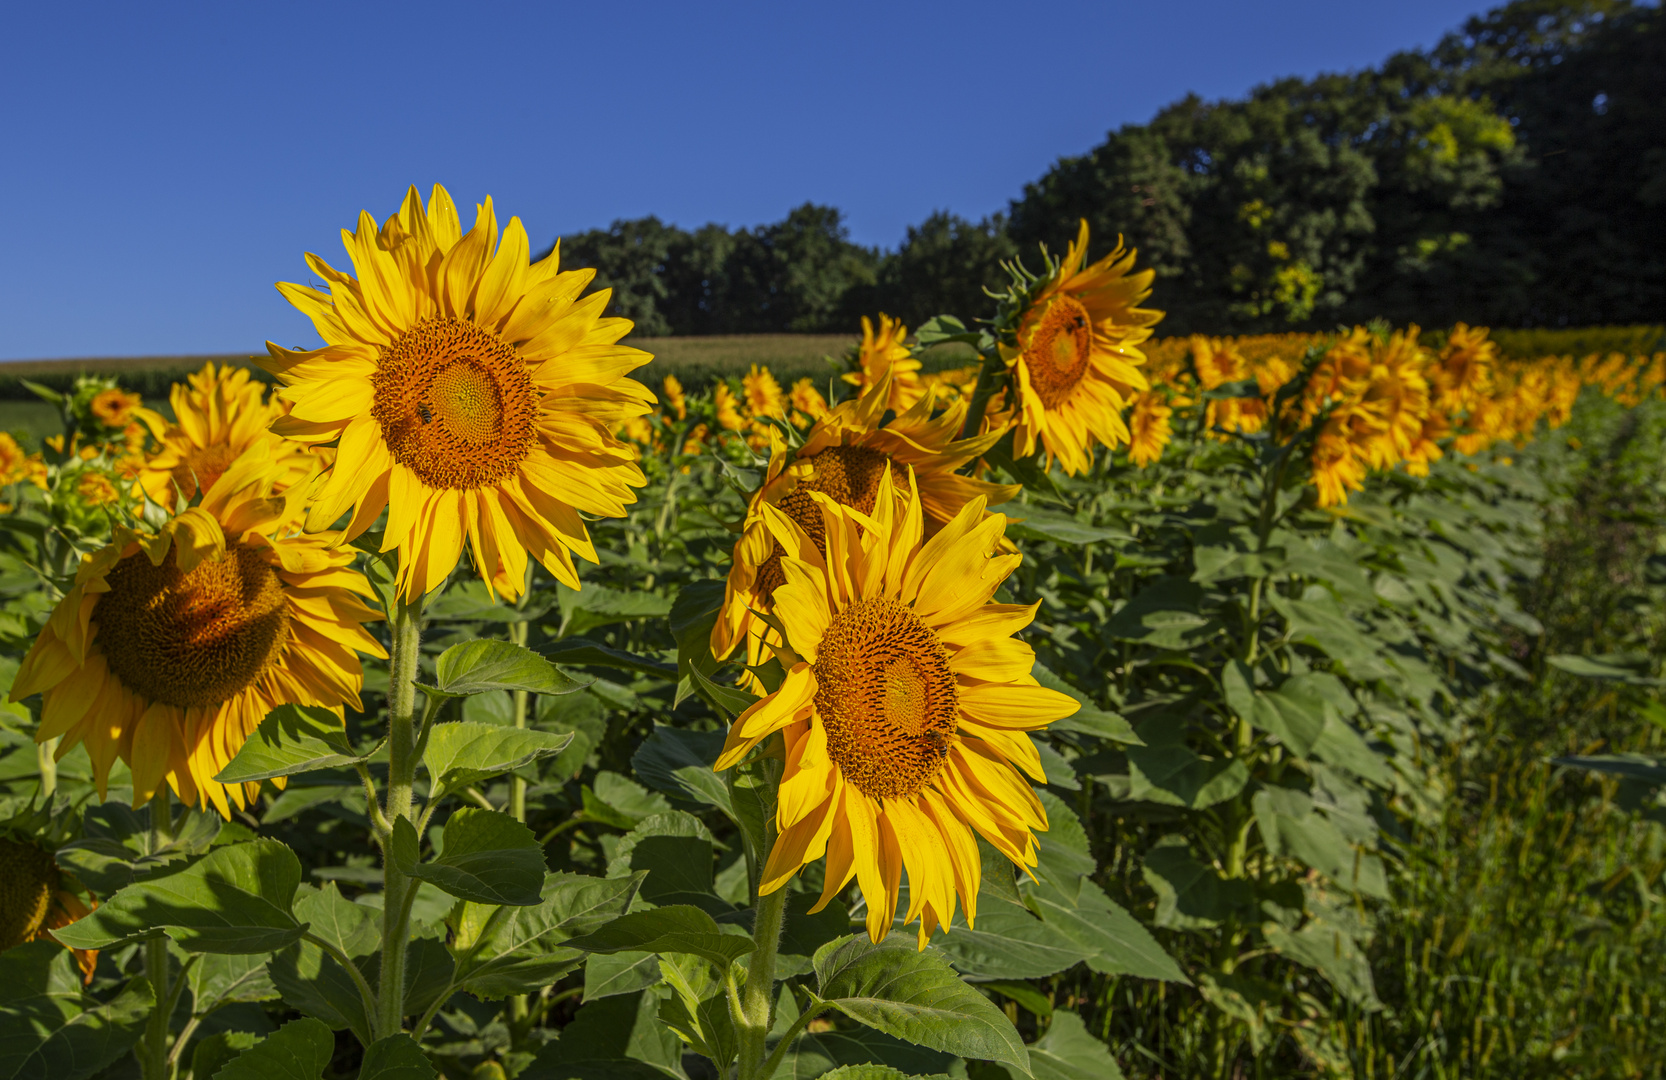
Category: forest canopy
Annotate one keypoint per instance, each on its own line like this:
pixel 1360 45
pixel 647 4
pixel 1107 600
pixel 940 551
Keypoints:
pixel 1513 175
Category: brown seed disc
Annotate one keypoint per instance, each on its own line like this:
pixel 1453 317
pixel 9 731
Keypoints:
pixel 849 475
pixel 192 639
pixel 28 878
pixel 456 404
pixel 887 698
pixel 1057 355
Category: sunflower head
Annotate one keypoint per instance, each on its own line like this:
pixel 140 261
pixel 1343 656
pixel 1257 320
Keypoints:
pixel 883 353
pixel 844 456
pixel 174 643
pixel 472 393
pixel 36 897
pixel 905 706
pixel 1071 342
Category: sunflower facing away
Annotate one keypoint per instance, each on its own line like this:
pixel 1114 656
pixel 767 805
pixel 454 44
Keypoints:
pixel 884 352
pixel 1076 364
pixel 474 395
pixel 843 457
pixel 172 646
pixel 219 412
pixel 905 708
pixel 35 900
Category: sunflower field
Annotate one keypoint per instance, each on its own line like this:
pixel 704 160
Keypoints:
pixel 1109 706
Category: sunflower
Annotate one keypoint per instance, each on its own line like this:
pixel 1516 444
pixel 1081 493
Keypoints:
pixel 762 392
pixel 807 402
pixel 173 645
pixel 843 457
pixel 474 394
pixel 883 350
pixel 905 708
pixel 115 408
pixel 219 412
pixel 1464 374
pixel 1148 428
pixel 675 399
pixel 1219 362
pixel 728 411
pixel 1075 362
pixel 35 900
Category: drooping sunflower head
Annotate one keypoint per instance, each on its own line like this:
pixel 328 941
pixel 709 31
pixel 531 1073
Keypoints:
pixel 219 412
pixel 905 707
pixel 36 898
pixel 472 393
pixel 1075 357
pixel 884 352
pixel 844 456
pixel 174 644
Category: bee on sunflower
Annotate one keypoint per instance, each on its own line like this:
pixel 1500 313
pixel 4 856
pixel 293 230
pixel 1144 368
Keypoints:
pixel 905 706
pixel 844 457
pixel 219 412
pixel 1070 343
pixel 174 643
pixel 471 393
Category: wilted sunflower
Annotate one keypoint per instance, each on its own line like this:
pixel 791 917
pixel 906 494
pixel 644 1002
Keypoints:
pixel 905 708
pixel 36 900
pixel 219 412
pixel 843 457
pixel 474 395
pixel 884 351
pixel 172 646
pixel 1077 360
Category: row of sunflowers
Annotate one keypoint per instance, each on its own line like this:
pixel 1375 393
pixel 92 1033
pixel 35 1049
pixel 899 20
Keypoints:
pixel 851 693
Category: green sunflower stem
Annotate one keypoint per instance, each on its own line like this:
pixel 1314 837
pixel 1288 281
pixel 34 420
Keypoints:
pixel 518 632
pixel 757 1000
pixel 153 1050
pixel 403 759
pixel 988 376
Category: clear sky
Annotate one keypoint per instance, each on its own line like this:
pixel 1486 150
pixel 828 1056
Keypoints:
pixel 165 163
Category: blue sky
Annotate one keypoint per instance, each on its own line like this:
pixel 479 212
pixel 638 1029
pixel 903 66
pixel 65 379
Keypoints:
pixel 166 163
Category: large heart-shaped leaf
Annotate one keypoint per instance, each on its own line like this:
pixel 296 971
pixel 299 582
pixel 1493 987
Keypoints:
pixel 235 899
pixel 915 996
pixel 1068 1052
pixel 292 739
pixel 679 761
pixel 522 948
pixel 475 667
pixel 462 753
pixel 44 1033
pixel 396 1057
pixel 300 1050
pixel 489 858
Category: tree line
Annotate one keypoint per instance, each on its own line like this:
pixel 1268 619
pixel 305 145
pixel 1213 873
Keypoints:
pixel 1513 175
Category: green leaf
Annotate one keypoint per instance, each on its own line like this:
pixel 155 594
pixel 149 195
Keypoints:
pixel 1345 748
pixel 621 802
pixel 1290 825
pixel 212 1052
pixel 676 928
pixel 1190 894
pixel 679 761
pixel 1632 766
pixel 607 974
pixel 396 1057
pixel 1333 954
pixel 1064 856
pixel 1114 941
pixel 300 1050
pixel 698 1009
pixel 1166 614
pixel 220 979
pixel 235 899
pixel 292 739
pixel 352 928
pixel 582 652
pixel 1242 388
pixel 915 996
pixel 1010 942
pixel 1632 669
pixel 475 667
pixel 675 850
pixel 1068 1052
pixel 73 1045
pixel 489 858
pixel 1031 522
pixel 521 950
pixel 1171 774
pixel 1294 713
pixel 876 1072
pixel 818 1054
pixel 461 753
pixel 693 614
pixel 583 610
pixel 616 1038
pixel 313 984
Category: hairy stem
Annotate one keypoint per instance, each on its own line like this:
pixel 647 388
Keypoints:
pixel 153 1057
pixel 403 758
pixel 993 368
pixel 757 1000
